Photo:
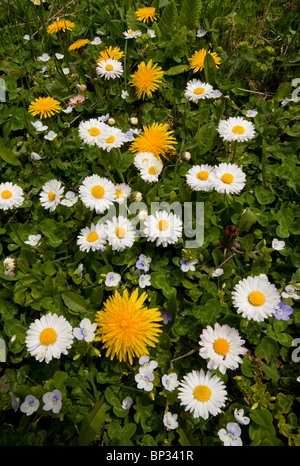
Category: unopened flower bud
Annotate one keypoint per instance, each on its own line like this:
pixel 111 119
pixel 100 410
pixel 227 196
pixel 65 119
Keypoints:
pixel 134 120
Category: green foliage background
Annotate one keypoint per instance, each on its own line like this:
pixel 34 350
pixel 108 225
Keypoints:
pixel 257 44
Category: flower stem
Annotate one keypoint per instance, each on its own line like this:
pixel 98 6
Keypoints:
pixel 234 146
pixel 102 162
pixel 199 119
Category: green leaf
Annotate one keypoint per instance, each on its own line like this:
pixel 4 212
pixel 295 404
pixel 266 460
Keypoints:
pixel 189 13
pixel 177 41
pixel 283 91
pixel 267 349
pixel 210 69
pixel 263 195
pixel 178 69
pixel 169 18
pixel 9 156
pixel 92 423
pixel 75 302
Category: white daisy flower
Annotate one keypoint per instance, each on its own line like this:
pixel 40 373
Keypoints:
pixel 33 240
pixel 97 193
pixel 163 227
pixel 122 192
pixel 240 418
pixel 49 337
pixel 93 131
pixel 70 199
pixel 114 138
pixel 231 436
pixel 51 194
pixel 11 195
pixel 228 178
pixel 109 69
pixel 170 381
pixel 120 233
pixel 52 401
pixel 144 280
pixel 278 245
pixel 30 405
pixel 92 238
pixel 127 402
pixel 9 264
pixel 199 178
pixel 197 90
pixel 236 129
pixel 130 34
pixel 85 331
pixel 255 298
pixel 141 158
pixel 112 279
pixel 151 170
pixel 77 99
pixel 289 292
pixel 170 421
pixel 202 393
pixel 144 381
pixel 222 345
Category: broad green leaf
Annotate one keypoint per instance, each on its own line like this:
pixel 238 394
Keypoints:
pixel 75 302
pixel 9 156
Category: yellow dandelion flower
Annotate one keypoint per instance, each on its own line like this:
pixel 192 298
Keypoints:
pixel 197 60
pixel 111 52
pixel 78 44
pixel 146 79
pixel 44 106
pixel 126 327
pixel 145 14
pixel 60 25
pixel 155 139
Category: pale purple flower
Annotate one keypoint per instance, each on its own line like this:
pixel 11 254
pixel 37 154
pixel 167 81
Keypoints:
pixel 144 380
pixel 283 311
pixel 289 292
pixel 170 420
pixel 112 279
pixel 127 402
pixel 251 113
pixel 85 331
pixel 52 401
pixel 231 436
pixel 166 316
pixel 143 263
pixel 188 264
pixel 30 405
pixel 201 32
pixel 170 381
pixel 144 280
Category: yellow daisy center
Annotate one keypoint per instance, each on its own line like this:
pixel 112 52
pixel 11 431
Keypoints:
pixel 203 175
pixel 163 225
pixel 91 237
pixel 221 346
pixel 227 178
pixel 94 131
pixel 199 90
pixel 109 67
pixel 98 192
pixel 202 393
pixel 120 232
pixel 256 298
pixel 152 170
pixel 48 336
pixel 51 196
pixel 110 140
pixel 238 129
pixel 119 193
pixel 6 194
